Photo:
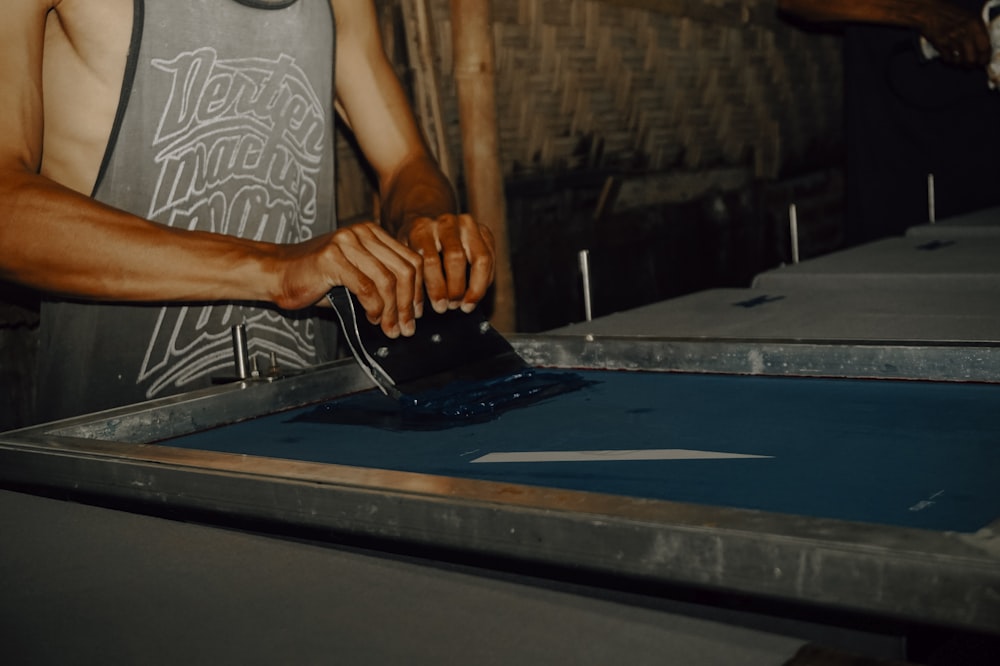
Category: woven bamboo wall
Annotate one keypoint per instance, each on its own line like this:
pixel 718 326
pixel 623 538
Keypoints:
pixel 585 84
pixel 666 110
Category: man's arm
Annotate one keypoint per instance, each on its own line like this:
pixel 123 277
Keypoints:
pixel 958 35
pixel 418 203
pixel 61 241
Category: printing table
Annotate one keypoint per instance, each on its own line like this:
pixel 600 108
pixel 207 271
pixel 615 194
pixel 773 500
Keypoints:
pixel 944 261
pixel 836 314
pixel 978 224
pixel 850 485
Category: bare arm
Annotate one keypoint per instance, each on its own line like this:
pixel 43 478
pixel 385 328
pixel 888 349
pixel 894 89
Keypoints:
pixel 418 203
pixel 904 13
pixel 61 241
pixel 56 239
pixel 960 36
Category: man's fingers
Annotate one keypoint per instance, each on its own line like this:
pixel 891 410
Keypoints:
pixel 480 248
pixel 382 273
pixel 458 259
pixel 454 257
pixel 400 285
pixel 423 239
pixel 962 40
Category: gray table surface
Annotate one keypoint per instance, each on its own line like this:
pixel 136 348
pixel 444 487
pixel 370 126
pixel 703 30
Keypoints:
pixel 90 585
pixel 980 224
pixel 797 313
pixel 913 263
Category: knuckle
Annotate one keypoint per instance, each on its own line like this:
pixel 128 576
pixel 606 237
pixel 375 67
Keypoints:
pixel 413 258
pixel 346 236
pixel 454 255
pixel 407 272
pixel 483 262
pixel 386 281
pixel 366 290
pixel 431 261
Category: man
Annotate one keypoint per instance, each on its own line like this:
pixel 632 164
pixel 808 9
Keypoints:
pixel 166 173
pixel 908 117
pixel 956 31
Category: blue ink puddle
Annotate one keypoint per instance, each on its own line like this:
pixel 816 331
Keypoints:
pixel 458 404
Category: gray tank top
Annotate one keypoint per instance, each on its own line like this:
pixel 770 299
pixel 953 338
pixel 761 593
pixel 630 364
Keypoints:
pixel 226 125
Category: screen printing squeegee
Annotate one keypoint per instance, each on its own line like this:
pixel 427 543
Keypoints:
pixel 445 348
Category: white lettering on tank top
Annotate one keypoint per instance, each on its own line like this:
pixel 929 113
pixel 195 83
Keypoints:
pixel 238 147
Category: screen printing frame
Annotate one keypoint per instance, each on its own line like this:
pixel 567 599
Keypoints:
pixel 941 578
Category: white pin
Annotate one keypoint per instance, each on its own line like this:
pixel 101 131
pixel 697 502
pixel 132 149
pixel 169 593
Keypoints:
pixel 931 213
pixel 241 354
pixel 585 277
pixel 793 228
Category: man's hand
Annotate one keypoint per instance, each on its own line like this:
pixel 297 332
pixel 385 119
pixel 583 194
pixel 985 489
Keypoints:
pixel 385 275
pixel 458 259
pixel 418 204
pixel 959 36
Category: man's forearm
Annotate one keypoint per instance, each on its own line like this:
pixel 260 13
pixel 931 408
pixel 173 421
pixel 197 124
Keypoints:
pixel 958 34
pixel 904 13
pixel 61 242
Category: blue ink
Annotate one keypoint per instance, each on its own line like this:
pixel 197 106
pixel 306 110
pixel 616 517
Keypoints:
pixel 460 403
pixel 935 245
pixel 758 301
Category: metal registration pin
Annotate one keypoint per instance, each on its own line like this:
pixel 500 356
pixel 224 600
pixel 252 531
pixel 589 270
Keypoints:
pixel 793 228
pixel 585 278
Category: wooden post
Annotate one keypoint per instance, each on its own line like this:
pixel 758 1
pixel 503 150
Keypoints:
pixel 475 80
